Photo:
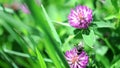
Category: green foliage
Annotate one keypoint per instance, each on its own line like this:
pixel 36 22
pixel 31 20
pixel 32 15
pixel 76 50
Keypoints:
pixel 40 38
pixel 89 39
pixel 40 59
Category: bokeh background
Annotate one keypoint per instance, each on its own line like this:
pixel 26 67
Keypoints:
pixel 36 33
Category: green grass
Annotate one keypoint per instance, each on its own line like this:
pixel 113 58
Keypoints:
pixel 39 39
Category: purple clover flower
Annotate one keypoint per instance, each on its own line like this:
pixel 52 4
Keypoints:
pixel 25 9
pixel 80 17
pixel 76 59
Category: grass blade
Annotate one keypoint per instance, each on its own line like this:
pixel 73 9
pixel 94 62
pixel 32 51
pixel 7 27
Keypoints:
pixel 40 59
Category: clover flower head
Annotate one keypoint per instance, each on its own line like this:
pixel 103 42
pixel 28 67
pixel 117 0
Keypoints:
pixel 80 17
pixel 24 8
pixel 76 59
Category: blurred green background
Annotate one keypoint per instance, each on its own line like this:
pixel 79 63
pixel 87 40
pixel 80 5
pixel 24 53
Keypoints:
pixel 36 33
